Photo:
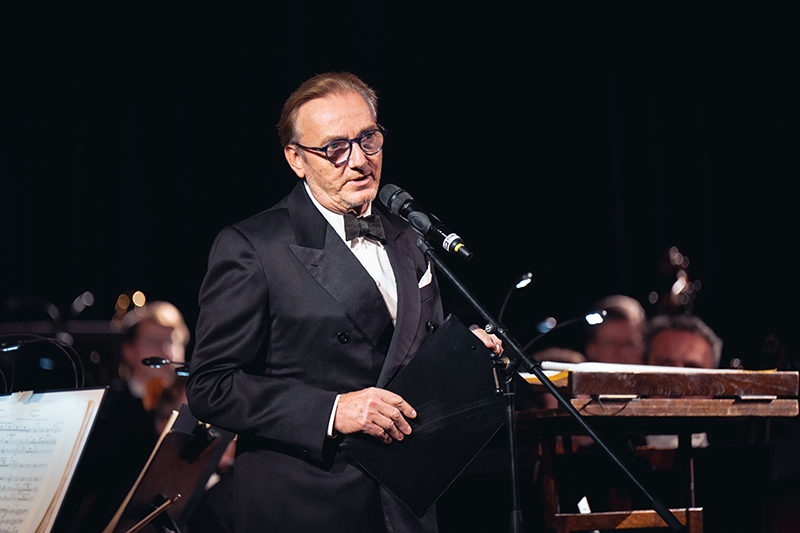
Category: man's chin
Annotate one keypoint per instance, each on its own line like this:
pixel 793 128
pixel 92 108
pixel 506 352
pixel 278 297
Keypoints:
pixel 362 197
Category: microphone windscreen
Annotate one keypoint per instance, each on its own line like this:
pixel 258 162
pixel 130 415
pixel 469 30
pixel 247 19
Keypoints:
pixel 393 197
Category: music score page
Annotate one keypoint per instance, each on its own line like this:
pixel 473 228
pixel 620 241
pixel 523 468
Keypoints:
pixel 41 437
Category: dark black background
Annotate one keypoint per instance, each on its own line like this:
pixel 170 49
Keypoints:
pixel 576 142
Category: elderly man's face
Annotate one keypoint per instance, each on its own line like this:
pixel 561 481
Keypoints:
pixel 680 348
pixel 349 186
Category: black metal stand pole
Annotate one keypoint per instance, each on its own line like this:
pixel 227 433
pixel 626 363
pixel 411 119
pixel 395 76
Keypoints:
pixel 509 393
pixel 512 363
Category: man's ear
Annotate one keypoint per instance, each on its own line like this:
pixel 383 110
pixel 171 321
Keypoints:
pixel 295 160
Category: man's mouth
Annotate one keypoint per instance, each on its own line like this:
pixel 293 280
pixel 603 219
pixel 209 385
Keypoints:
pixel 361 180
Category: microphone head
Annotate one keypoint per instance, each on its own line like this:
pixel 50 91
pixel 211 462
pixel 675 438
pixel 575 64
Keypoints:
pixel 393 197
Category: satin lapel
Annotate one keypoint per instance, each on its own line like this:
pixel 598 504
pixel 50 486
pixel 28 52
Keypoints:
pixel 401 255
pixel 335 268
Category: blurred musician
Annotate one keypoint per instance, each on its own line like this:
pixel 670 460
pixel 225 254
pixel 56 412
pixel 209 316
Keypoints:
pixel 682 341
pixel 619 338
pixel 156 330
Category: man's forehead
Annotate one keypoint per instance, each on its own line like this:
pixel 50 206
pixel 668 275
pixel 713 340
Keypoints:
pixel 331 114
pixel 617 327
pixel 677 335
pixel 154 328
pixel 686 340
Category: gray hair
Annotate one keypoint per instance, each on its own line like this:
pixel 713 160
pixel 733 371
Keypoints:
pixel 689 323
pixel 320 86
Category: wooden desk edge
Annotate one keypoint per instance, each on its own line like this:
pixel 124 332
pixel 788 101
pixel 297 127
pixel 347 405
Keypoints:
pixel 672 407
pixel 624 519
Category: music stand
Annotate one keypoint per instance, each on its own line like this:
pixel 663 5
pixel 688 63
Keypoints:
pixel 517 357
pixel 181 463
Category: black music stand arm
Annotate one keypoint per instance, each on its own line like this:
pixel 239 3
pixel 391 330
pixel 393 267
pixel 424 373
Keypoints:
pixel 160 518
pixel 519 357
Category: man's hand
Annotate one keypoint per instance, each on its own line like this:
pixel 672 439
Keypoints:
pixel 490 341
pixel 373 411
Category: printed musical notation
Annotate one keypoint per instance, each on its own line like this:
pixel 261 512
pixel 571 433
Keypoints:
pixel 40 441
pixel 10 519
pixel 20 481
pixel 30 437
pixel 17 439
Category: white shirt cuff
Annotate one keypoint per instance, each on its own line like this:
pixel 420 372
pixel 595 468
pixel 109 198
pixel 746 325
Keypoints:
pixel 333 416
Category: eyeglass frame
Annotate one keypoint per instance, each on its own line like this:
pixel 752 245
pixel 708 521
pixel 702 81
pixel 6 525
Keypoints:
pixel 324 149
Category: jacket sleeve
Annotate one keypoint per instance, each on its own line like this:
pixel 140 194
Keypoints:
pixel 229 384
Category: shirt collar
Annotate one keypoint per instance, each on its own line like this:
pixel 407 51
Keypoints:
pixel 334 219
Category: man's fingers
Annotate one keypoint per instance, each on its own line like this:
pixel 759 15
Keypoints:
pixel 398 402
pixel 397 421
pixel 376 412
pixel 390 433
pixel 490 341
pixel 390 416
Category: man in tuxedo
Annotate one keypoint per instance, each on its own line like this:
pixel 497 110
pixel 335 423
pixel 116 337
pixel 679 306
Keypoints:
pixel 307 312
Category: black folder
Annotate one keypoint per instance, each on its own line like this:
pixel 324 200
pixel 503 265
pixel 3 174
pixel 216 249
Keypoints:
pixel 451 385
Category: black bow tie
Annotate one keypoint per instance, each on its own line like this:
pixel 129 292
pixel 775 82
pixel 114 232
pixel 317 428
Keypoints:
pixel 369 227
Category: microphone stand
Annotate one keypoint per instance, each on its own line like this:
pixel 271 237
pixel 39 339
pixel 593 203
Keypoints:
pixel 509 366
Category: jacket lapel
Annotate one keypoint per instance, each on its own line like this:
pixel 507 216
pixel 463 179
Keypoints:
pixel 328 260
pixel 401 254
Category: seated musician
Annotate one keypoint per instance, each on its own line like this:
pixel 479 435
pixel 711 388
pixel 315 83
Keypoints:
pixel 619 337
pixel 681 341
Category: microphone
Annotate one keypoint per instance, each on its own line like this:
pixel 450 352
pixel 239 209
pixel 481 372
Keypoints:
pixel 401 203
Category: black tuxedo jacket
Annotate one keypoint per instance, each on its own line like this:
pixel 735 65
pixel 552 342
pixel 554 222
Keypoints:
pixel 289 318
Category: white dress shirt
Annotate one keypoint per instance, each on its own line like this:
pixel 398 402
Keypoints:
pixel 372 256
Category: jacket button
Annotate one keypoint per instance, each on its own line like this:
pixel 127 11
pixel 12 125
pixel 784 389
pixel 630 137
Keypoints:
pixel 343 337
pixel 429 327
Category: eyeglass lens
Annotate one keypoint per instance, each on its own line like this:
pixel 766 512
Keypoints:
pixel 371 143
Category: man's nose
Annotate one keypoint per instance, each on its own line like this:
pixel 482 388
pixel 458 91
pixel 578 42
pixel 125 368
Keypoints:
pixel 357 158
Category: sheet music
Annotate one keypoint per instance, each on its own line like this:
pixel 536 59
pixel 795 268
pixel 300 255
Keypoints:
pixel 40 439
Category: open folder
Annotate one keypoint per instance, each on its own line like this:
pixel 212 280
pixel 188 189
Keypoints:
pixel 451 385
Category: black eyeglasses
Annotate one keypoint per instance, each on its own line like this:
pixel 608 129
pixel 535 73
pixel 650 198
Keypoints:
pixel 339 151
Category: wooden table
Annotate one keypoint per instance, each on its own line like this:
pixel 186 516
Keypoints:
pixel 645 402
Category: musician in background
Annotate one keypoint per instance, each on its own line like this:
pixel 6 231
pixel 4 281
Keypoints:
pixel 130 423
pixel 620 337
pixel 682 341
pixel 156 330
pixel 127 426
